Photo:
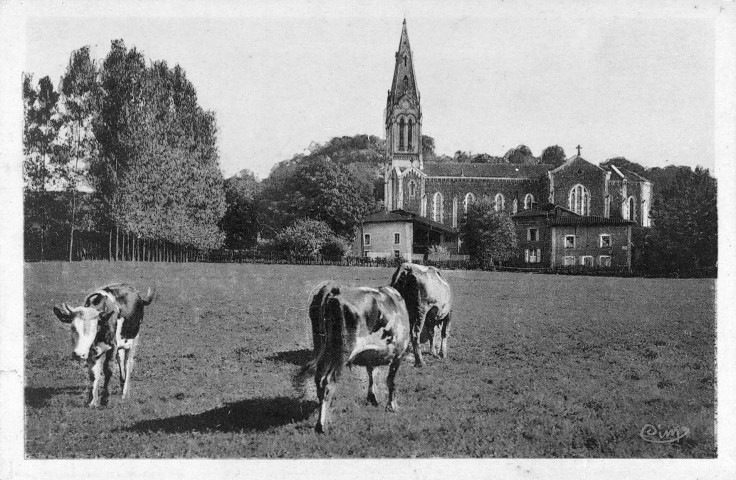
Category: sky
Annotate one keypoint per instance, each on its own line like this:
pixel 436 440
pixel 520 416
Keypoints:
pixel 492 76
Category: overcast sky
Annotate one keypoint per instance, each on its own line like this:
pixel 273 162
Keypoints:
pixel 616 81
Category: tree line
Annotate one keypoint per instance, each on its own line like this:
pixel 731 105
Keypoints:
pixel 132 133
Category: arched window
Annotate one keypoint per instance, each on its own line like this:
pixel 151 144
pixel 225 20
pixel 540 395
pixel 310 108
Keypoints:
pixel 469 198
pixel 409 135
pixel 514 206
pixel 499 203
pixel 528 201
pixel 406 83
pixel 401 134
pixel 454 212
pixel 437 207
pixel 631 209
pixel 579 200
pixel 412 188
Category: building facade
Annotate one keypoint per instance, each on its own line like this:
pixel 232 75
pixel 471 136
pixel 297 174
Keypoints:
pixel 440 192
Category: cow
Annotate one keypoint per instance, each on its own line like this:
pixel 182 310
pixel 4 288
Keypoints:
pixel 360 326
pixel 428 299
pixel 106 325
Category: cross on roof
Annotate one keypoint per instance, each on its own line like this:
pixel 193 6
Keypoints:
pixel 578 147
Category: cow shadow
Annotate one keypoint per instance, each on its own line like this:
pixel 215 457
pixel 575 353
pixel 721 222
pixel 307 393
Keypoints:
pixel 39 397
pixel 254 414
pixel 294 357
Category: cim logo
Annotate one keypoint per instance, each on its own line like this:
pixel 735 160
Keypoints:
pixel 657 434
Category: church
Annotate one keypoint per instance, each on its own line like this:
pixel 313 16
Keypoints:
pixel 574 214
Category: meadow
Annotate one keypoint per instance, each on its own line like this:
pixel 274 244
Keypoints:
pixel 540 366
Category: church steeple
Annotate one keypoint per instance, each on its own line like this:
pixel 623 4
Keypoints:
pixel 403 113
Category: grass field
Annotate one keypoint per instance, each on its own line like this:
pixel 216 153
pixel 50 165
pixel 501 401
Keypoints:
pixel 539 366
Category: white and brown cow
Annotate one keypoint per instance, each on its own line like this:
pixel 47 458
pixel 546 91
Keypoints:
pixel 361 326
pixel 106 325
pixel 428 299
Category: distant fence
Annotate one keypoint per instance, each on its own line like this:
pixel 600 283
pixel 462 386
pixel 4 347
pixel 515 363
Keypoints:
pixel 125 247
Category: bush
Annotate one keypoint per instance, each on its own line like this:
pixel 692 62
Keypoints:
pixel 310 238
pixel 334 248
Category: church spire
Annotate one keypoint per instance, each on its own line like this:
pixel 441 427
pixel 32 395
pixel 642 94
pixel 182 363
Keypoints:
pixel 403 118
pixel 404 82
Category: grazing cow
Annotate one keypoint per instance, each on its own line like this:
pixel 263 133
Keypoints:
pixel 362 326
pixel 106 325
pixel 428 299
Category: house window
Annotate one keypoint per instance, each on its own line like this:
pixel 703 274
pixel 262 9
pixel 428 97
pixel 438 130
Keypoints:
pixel 367 239
pixel 604 261
pixel 569 241
pixel 397 238
pixel 397 253
pixel 586 261
pixel 499 202
pixel 412 189
pixel 579 200
pixel 532 234
pixel 528 200
pixel 533 255
pixel 605 240
pixel 469 198
pixel 569 261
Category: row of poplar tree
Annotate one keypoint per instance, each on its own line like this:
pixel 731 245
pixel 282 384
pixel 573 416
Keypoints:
pixel 135 134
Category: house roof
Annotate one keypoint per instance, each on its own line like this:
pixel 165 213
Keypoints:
pixel 485 170
pixel 404 216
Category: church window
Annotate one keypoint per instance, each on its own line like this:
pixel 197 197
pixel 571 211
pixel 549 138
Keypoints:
pixel 406 83
pixel 499 203
pixel 401 134
pixel 412 189
pixel 437 208
pixel 454 212
pixel 579 200
pixel 469 198
pixel 405 59
pixel 514 206
pixel 528 201
pixel 409 135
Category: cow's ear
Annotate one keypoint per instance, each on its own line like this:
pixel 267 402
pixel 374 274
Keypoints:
pixel 63 313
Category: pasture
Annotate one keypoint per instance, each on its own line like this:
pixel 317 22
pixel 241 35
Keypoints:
pixel 539 366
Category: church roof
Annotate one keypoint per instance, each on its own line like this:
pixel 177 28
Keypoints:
pixel 587 221
pixel 485 170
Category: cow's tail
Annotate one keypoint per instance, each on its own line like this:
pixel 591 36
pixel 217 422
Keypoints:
pixel 336 347
pixel 149 296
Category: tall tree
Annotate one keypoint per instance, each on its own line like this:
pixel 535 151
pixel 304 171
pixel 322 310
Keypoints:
pixel 240 222
pixel 40 132
pixel 488 236
pixel 78 146
pixel 684 239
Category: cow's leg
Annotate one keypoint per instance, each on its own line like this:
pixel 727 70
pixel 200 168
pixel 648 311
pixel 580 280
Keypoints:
pixel 391 406
pixel 129 361
pixel 107 371
pixel 371 393
pixel 325 390
pixel 94 369
pixel 416 334
pixel 434 339
pixel 121 354
pixel 445 333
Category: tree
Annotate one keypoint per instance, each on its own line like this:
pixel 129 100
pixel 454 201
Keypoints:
pixel 684 238
pixel 519 155
pixel 40 131
pixel 554 155
pixel 488 236
pixel 317 188
pixel 309 238
pixel 80 93
pixel 428 147
pixel 158 168
pixel 240 222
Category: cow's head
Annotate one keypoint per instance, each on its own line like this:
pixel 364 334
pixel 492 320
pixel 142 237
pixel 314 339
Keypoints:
pixel 86 322
pixel 402 278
